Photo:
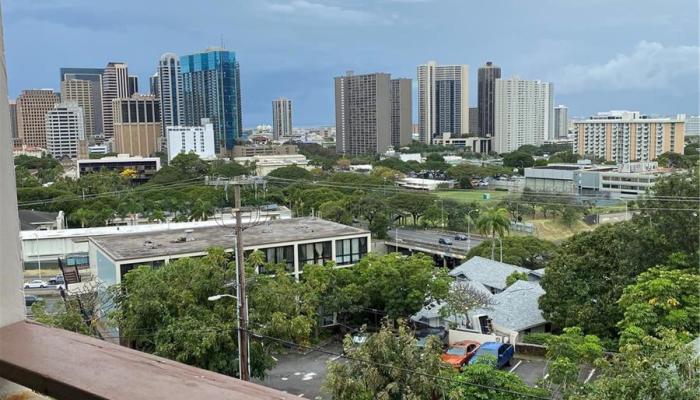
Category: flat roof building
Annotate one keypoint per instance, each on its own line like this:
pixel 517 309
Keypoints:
pixel 293 242
pixel 145 167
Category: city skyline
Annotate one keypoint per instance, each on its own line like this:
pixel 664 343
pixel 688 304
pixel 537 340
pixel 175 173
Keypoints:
pixel 616 62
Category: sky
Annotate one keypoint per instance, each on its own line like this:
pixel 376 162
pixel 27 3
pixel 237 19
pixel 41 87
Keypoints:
pixel 600 54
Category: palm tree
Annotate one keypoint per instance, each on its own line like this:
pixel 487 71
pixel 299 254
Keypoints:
pixel 201 210
pixel 493 222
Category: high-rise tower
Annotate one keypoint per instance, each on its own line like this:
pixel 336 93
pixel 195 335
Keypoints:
pixel 115 85
pixel 168 89
pixel 486 97
pixel 281 118
pixel 443 100
pixel 32 106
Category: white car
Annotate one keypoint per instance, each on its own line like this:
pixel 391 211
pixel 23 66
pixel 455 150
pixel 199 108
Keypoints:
pixel 35 284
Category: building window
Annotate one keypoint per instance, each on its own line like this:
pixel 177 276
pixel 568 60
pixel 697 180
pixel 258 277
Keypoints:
pixel 314 253
pixel 278 255
pixel 350 251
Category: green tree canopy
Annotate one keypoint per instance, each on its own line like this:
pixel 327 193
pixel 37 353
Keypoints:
pixel 524 251
pixel 413 204
pixel 292 172
pixel 518 159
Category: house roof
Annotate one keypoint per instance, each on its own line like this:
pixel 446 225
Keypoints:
pixel 30 219
pixel 432 310
pixel 517 308
pixel 490 273
pixel 537 272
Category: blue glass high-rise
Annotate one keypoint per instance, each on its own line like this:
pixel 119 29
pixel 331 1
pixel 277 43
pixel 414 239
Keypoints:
pixel 211 89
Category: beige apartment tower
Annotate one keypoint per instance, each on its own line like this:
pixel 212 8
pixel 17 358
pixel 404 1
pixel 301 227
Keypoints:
pixel 81 92
pixel 627 138
pixel 137 126
pixel 443 100
pixel 32 107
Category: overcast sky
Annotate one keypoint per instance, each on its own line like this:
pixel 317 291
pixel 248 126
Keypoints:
pixel 600 54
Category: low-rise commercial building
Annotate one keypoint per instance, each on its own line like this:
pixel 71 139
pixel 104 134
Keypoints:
pixel 144 167
pixel 555 178
pixel 292 242
pixel 264 150
pixel 626 181
pixel 476 144
pixel 424 184
pixel 266 164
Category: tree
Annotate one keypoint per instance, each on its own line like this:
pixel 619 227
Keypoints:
pixel 462 297
pixel 518 159
pixel 394 164
pixel 228 169
pixel 433 216
pixel 524 251
pixel 413 204
pixel 664 297
pixel 567 156
pixel 201 210
pixel 291 172
pixel 670 160
pixel 165 311
pixel 369 206
pixel 516 276
pixel 379 226
pixel 566 354
pixel 474 381
pixel 672 209
pixel 649 369
pixel 570 215
pixel 493 221
pixel 587 276
pixel 336 211
pixel 388 365
pixel 386 174
pixel 189 165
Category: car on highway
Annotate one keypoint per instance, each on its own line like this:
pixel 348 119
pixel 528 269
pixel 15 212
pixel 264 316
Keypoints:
pixel 424 333
pixel 460 236
pixel 57 280
pixel 460 353
pixel 445 241
pixel 35 284
pixel 503 352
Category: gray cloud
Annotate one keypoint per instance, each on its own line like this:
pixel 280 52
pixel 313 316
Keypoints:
pixel 650 66
pixel 326 12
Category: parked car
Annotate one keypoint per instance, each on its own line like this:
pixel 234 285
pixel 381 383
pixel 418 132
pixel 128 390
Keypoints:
pixel 359 338
pixel 423 334
pixel 30 299
pixel 502 351
pixel 460 353
pixel 445 241
pixel 35 284
pixel 57 280
pixel 461 236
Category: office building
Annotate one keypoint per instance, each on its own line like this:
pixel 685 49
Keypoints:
pixel 94 75
pixel 281 118
pixel 64 129
pixel 293 242
pixel 443 100
pixel 264 150
pixel 401 112
pixel 13 120
pixel 191 139
pixel 211 89
pixel 476 144
pixel 523 113
pixel 486 98
pixel 137 126
pixel 81 92
pixel 473 120
pixel 264 164
pixel 626 136
pixel 133 85
pixel 32 106
pixel 115 85
pixel 154 85
pixel 363 113
pixel 168 86
pixel 561 122
pixel 145 167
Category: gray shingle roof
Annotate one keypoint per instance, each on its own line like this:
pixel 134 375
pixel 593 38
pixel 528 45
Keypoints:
pixel 31 219
pixel 490 273
pixel 517 307
pixel 432 310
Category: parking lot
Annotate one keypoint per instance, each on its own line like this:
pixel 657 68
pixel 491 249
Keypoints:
pixel 302 374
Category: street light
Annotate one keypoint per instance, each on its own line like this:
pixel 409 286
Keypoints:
pixel 469 235
pixel 242 364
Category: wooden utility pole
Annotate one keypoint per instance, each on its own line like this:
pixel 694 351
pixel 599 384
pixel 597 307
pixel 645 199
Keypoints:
pixel 243 340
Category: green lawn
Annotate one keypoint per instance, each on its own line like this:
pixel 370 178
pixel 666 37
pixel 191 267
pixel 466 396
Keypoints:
pixel 472 195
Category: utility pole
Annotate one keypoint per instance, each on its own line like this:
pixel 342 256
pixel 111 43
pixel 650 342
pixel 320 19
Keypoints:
pixel 243 344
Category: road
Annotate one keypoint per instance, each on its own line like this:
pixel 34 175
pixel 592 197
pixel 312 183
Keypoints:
pixel 430 238
pixel 302 374
pixel 532 370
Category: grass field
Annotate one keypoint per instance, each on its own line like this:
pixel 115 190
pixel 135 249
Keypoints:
pixel 469 196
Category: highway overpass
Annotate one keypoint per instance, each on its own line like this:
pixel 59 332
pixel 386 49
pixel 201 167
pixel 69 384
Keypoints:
pixel 427 241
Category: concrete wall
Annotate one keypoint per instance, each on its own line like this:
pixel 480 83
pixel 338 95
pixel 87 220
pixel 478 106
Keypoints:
pixel 455 335
pixel 11 293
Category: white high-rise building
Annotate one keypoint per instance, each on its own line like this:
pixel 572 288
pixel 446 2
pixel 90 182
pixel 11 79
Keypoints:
pixel 65 127
pixel 524 113
pixel 443 100
pixel 561 122
pixel 191 139
pixel 115 85
pixel 169 90
pixel 692 125
pixel 281 118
